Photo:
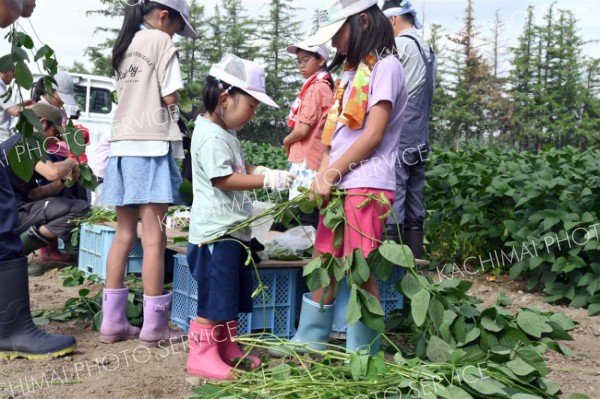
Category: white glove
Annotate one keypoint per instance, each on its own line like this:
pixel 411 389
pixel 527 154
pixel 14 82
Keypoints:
pixel 260 170
pixel 278 180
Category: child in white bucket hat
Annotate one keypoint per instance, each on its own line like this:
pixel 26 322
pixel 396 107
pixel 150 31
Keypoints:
pixel 231 95
pixel 307 118
pixel 360 139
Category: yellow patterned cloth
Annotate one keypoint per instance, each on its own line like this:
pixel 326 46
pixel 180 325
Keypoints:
pixel 354 112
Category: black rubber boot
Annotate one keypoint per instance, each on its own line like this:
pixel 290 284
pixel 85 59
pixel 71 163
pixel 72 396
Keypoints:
pixel 414 240
pixel 19 336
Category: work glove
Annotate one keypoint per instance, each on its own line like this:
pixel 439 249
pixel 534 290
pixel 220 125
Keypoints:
pixel 260 170
pixel 278 180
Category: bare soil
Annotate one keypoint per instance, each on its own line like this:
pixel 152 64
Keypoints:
pixel 128 370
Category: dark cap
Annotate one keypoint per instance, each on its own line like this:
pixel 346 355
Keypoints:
pixel 51 113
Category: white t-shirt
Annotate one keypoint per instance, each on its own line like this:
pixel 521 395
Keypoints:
pixel 170 83
pixel 5 116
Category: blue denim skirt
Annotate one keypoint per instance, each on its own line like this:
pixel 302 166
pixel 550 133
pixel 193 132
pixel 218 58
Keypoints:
pixel 142 180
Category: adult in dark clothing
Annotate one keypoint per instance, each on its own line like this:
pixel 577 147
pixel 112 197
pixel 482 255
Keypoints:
pixel 43 216
pixel 19 336
pixel 419 63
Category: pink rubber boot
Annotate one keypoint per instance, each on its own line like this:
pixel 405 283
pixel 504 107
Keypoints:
pixel 204 359
pixel 156 321
pixel 228 349
pixel 115 326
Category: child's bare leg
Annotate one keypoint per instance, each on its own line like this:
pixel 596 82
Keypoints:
pixel 154 242
pixel 125 238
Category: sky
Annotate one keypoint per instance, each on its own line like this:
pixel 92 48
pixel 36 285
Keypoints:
pixel 64 26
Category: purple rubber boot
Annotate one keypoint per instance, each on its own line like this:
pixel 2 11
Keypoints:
pixel 156 321
pixel 115 326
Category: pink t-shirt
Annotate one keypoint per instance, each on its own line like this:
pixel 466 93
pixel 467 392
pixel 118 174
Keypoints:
pixel 313 111
pixel 378 171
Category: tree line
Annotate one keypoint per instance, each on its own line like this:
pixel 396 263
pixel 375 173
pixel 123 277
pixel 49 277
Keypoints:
pixel 549 96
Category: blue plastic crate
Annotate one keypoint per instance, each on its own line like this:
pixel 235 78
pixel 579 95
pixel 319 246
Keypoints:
pixel 391 300
pixel 273 312
pixel 94 244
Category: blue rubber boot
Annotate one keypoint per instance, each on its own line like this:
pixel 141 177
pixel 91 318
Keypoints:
pixel 359 337
pixel 314 328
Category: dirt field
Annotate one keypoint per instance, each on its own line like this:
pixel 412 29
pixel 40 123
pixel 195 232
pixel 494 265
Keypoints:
pixel 128 370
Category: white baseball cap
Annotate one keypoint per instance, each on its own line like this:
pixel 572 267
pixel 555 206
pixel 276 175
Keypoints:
pixel 321 49
pixel 243 74
pixel 333 15
pixel 184 9
pixel 65 88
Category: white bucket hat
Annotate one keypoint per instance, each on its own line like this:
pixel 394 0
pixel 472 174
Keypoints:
pixel 184 9
pixel 243 74
pixel 333 15
pixel 321 49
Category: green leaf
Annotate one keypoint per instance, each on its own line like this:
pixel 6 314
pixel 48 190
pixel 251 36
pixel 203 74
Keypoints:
pixel 281 372
pixel 578 396
pixel 312 266
pixel 512 338
pixel 355 367
pixel 594 309
pixel 471 336
pixel 533 358
pixel 353 309
pixel 419 306
pixel 360 266
pixel 531 323
pixel 23 75
pixel 6 63
pixel 436 312
pixel 400 255
pixel 338 236
pixel 306 206
pixel 483 385
pixel 438 350
pixel 324 278
pixel 410 285
pixel 134 311
pixel 503 300
pixel 399 359
pixel 41 321
pixel 490 324
pixel 43 52
pixel 370 302
pixel 453 392
pixel 520 367
pixel 379 266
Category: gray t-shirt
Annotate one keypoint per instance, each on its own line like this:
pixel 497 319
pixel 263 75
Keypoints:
pixel 216 153
pixel 5 116
pixel 412 62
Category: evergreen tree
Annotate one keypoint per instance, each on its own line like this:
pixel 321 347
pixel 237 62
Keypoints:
pixel 280 29
pixel 192 53
pixel 497 101
pixel 439 131
pixel 524 81
pixel 100 54
pixel 316 24
pixel 239 36
pixel 472 85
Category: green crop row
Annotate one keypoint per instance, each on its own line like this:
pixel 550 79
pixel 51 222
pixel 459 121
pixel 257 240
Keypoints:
pixel 533 215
